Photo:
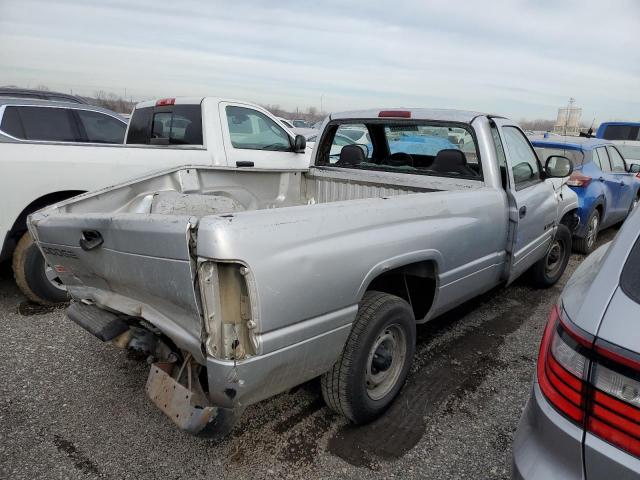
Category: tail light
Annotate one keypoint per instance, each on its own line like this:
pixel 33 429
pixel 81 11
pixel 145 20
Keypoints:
pixel 577 179
pixel 592 383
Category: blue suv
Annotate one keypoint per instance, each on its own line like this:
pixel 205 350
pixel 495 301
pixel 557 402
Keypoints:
pixel 606 191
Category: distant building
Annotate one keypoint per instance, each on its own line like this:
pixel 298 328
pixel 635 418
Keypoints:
pixel 568 122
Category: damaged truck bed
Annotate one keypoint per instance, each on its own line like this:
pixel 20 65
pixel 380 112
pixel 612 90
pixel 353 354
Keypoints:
pixel 242 283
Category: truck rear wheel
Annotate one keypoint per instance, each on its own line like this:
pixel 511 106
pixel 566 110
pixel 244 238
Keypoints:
pixel 548 270
pixel 34 277
pixel 375 361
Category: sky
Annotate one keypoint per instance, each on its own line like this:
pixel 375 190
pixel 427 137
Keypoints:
pixel 518 58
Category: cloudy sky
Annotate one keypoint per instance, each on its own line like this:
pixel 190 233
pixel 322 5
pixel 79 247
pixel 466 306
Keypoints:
pixel 514 57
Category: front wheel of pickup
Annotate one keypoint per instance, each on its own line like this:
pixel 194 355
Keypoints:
pixel 375 361
pixel 548 270
pixel 34 277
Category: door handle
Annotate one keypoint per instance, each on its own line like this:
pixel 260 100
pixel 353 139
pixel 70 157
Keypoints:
pixel 622 184
pixel 601 179
pixel 522 212
pixel 90 239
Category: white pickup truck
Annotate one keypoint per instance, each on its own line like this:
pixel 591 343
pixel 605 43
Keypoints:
pixel 164 133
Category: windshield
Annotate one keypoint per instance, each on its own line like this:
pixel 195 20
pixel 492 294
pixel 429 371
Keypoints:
pixel 414 147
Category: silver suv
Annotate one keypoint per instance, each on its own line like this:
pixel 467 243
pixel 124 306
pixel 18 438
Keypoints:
pixel 583 417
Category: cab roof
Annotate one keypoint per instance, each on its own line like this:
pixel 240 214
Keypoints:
pixel 189 101
pixel 437 114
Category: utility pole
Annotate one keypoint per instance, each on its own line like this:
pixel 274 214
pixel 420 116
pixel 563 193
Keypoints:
pixel 321 106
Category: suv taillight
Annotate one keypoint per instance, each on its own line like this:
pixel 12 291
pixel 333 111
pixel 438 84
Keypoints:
pixel 593 384
pixel 577 179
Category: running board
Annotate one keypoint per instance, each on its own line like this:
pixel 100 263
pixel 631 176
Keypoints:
pixel 102 324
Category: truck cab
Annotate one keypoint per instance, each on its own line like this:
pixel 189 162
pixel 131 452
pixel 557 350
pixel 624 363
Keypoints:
pixel 234 133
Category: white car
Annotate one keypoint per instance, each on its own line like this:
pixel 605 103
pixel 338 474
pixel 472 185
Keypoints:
pixel 52 151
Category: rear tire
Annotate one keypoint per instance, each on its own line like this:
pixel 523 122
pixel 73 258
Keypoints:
pixel 587 244
pixel 375 361
pixel 548 270
pixel 30 272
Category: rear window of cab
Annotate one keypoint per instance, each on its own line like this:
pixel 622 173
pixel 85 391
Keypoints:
pixel 418 147
pixel 172 125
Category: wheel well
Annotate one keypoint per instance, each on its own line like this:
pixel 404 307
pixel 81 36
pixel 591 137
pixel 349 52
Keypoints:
pixel 20 225
pixel 416 283
pixel 571 220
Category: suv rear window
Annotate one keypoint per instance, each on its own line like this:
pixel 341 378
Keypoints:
pixel 576 156
pixel 41 123
pixel 630 278
pixel 178 124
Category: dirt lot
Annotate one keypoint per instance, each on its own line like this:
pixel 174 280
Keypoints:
pixel 72 407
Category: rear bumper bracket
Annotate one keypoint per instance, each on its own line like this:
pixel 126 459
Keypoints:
pixel 182 405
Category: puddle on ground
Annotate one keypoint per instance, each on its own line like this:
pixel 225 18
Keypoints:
pixel 28 308
pixel 452 369
pixel 80 461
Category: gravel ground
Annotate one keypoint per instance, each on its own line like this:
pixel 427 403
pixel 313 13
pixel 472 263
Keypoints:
pixel 72 407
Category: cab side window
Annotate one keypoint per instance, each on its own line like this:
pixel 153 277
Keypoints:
pixel 617 162
pixel 252 130
pixel 524 163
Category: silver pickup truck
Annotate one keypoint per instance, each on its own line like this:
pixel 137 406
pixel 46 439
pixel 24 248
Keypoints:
pixel 239 284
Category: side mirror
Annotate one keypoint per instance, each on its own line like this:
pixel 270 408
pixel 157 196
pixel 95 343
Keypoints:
pixel 299 144
pixel 634 168
pixel 558 167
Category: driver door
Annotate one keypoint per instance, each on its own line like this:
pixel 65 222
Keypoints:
pixel 533 201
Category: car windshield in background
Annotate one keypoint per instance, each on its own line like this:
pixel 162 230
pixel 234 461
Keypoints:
pixel 421 148
pixel 576 156
pixel 622 132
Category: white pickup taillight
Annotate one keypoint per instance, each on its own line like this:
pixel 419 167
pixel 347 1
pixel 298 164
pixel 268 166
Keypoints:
pixel 594 384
